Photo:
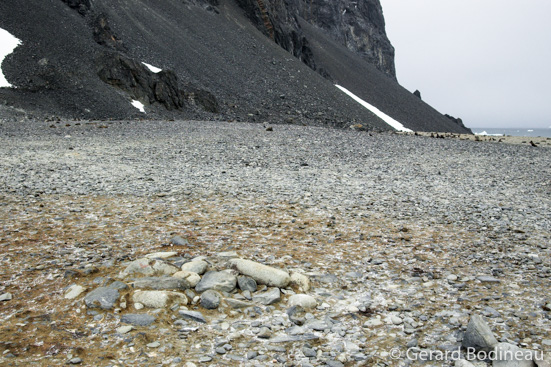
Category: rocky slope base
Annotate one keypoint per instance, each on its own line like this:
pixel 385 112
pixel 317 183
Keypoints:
pixel 82 59
pixel 379 244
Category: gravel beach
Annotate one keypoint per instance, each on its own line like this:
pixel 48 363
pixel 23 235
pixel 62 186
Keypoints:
pixel 121 244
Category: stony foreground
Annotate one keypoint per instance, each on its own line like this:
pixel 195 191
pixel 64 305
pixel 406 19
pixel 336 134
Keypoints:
pixel 119 245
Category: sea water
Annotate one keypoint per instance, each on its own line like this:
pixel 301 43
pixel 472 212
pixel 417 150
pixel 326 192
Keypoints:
pixel 513 132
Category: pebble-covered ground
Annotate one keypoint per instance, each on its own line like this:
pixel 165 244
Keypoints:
pixel 399 240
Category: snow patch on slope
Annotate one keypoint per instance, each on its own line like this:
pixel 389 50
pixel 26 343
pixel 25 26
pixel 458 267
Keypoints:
pixel 383 116
pixel 8 43
pixel 139 105
pixel 152 68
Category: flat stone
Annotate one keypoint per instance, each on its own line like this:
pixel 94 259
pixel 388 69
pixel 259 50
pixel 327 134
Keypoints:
pixel 148 267
pixel 305 301
pixel 179 241
pixel 301 281
pixel 196 266
pixel 159 299
pixel 396 320
pixel 235 303
pixel 125 329
pixel 161 255
pixel 223 281
pixel 161 283
pixel 6 297
pixel 210 299
pixel 138 319
pixel 193 316
pixel 317 325
pixel 478 335
pixel 228 255
pixel 463 363
pixel 374 322
pixel 74 291
pixel 75 360
pixel 509 355
pixel 293 338
pixel 263 274
pixel 192 278
pixel 153 345
pixel 247 283
pixel 269 297
pixel 102 297
pixel 488 279
pixel 117 284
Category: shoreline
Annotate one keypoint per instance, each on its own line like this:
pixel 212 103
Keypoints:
pixel 540 142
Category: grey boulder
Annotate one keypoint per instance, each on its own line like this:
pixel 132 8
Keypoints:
pixel 138 319
pixel 478 335
pixel 102 297
pixel 223 281
pixel 269 297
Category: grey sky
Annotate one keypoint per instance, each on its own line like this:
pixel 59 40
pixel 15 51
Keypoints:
pixel 486 61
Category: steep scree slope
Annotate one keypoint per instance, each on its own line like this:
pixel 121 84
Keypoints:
pixel 83 59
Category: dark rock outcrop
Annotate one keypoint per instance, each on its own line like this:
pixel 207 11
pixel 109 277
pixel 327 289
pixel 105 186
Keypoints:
pixel 357 25
pixel 134 78
pixel 82 6
pixel 457 121
pixel 103 34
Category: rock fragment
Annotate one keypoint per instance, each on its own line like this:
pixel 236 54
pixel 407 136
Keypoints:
pixel 102 297
pixel 159 299
pixel 261 273
pixel 478 335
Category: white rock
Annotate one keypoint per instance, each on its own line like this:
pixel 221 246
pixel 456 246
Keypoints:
pixel 228 255
pixel 263 274
pixel 161 255
pixel 396 320
pixel 125 329
pixel 509 355
pixel 198 267
pixel 74 291
pixel 191 277
pixel 138 306
pixel 301 281
pixel 6 297
pixel 463 363
pixel 305 301
pixel 375 322
pixel 159 299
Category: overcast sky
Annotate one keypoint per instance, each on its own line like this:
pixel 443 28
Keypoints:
pixel 486 61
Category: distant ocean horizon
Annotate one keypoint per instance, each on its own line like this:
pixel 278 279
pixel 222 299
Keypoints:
pixel 535 132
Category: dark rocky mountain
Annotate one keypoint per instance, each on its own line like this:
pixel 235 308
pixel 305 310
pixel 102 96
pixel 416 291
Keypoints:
pixel 249 60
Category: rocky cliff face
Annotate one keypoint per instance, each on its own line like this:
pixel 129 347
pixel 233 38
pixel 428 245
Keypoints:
pixel 358 25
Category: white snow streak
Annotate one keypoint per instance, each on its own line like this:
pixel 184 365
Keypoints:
pixel 383 116
pixel 8 43
pixel 152 68
pixel 139 105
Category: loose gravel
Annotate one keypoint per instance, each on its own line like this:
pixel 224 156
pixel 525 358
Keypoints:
pixel 403 239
